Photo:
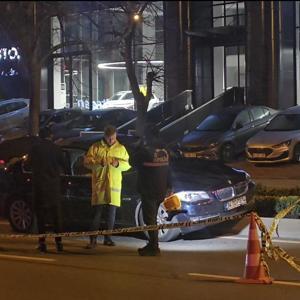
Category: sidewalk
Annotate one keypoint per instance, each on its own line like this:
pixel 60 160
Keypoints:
pixel 288 229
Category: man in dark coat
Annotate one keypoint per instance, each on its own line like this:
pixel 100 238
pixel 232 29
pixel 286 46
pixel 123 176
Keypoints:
pixel 47 162
pixel 152 161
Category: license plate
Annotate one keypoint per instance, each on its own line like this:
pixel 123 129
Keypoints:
pixel 259 155
pixel 235 203
pixel 193 154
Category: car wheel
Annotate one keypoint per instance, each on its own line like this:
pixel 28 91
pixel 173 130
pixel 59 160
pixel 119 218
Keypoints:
pixel 297 153
pixel 20 215
pixel 227 152
pixel 164 235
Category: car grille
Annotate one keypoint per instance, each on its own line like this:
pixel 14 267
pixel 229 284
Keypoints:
pixel 232 191
pixel 266 151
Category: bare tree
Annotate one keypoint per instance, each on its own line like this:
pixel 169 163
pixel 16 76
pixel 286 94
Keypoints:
pixel 126 17
pixel 25 23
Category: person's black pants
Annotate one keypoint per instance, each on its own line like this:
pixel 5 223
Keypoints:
pixel 110 215
pixel 54 214
pixel 150 205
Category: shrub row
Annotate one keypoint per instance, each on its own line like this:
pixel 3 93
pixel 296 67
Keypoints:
pixel 270 201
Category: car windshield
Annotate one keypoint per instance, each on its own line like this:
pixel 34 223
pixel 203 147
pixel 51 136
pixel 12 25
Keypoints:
pixel 85 121
pixel 116 96
pixel 216 123
pixel 283 122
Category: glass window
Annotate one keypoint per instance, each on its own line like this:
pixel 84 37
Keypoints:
pixel 284 122
pixel 243 118
pixel 228 13
pixel 257 113
pixel 216 123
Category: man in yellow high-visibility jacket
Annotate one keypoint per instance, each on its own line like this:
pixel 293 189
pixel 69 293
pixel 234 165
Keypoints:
pixel 107 159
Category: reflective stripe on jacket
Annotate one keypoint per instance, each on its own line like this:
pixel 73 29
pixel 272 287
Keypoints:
pixel 107 180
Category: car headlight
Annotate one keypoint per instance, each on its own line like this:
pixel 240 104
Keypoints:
pixel 191 196
pixel 283 144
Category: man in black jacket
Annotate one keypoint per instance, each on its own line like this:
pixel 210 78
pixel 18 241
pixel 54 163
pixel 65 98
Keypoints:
pixel 47 162
pixel 152 161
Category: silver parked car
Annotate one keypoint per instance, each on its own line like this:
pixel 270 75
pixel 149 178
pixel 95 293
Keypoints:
pixel 13 112
pixel 279 141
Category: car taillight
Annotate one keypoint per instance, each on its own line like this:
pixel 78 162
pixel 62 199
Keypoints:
pixel 2 162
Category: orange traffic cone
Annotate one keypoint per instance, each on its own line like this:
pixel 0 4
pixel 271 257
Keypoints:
pixel 254 269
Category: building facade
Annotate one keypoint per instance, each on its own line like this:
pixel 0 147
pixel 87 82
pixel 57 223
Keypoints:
pixel 203 46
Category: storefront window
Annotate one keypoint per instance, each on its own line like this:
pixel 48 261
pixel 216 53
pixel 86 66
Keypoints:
pixel 228 13
pixel 80 79
pixel 229 68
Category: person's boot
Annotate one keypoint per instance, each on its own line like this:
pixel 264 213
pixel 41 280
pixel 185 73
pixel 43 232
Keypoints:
pixel 149 250
pixel 59 247
pixel 42 247
pixel 108 241
pixel 93 243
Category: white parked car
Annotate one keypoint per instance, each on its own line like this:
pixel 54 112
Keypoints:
pixel 124 99
pixel 279 141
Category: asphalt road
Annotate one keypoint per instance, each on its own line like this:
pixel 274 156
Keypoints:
pixel 190 268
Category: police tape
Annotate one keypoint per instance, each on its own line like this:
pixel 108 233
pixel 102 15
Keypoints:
pixel 268 249
pixel 207 221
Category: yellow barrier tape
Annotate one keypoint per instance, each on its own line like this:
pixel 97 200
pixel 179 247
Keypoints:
pixel 281 215
pixel 207 221
pixel 271 251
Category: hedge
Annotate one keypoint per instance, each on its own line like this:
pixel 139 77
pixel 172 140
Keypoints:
pixel 269 201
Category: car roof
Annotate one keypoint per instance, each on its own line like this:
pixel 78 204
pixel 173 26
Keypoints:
pixel 14 100
pixel 85 141
pixel 105 110
pixel 291 110
pixel 60 110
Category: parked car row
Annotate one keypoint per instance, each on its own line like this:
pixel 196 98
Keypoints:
pixel 224 135
pixel 67 122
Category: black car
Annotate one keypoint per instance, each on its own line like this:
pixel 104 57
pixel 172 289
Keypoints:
pixel 205 188
pixel 224 135
pixel 94 120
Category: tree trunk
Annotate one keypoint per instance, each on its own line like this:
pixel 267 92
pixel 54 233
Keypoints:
pixel 34 110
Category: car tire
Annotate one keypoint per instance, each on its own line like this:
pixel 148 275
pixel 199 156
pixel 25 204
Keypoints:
pixel 227 152
pixel 296 157
pixel 20 215
pixel 164 235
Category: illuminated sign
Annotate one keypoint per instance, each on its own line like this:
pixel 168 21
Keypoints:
pixel 9 60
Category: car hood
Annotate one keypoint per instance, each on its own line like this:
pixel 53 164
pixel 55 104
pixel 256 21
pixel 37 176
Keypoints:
pixel 201 138
pixel 196 174
pixel 272 137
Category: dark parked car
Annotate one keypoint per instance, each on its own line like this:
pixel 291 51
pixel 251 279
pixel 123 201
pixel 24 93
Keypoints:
pixel 94 120
pixel 62 116
pixel 224 135
pixel 49 117
pixel 205 188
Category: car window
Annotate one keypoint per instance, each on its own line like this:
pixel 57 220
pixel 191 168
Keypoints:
pixel 127 96
pixel 77 163
pixel 257 113
pixel 243 118
pixel 27 168
pixel 216 122
pixel 266 112
pixel 3 109
pixel 284 122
